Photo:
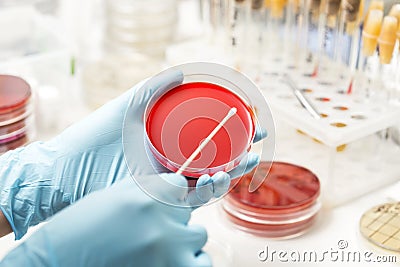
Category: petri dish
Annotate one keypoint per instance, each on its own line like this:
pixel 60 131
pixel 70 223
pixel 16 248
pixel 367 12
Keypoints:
pixel 177 121
pixel 13 142
pixel 380 225
pixel 284 206
pixel 15 96
pixel 16 108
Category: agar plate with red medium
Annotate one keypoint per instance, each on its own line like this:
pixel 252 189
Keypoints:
pixel 183 117
pixel 284 206
pixel 201 119
pixel 16 120
pixel 178 120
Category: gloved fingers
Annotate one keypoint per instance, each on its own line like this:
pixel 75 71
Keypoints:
pixel 203 192
pixel 196 238
pixel 172 189
pixel 202 260
pixel 208 187
pixel 260 134
pixel 158 84
pixel 221 182
pixel 247 164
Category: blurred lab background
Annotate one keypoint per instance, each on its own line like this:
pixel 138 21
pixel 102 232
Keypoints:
pixel 342 55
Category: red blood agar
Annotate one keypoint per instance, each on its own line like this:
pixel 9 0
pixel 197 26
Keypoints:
pixel 14 92
pixel 15 95
pixel 184 116
pixel 284 205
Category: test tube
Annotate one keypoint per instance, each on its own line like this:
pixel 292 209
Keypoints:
pixel 387 42
pixel 327 21
pixel 275 23
pixel 348 22
pixel 395 12
pixel 254 37
pixel 371 30
pixel 306 20
pixel 277 8
pixel 239 24
pixel 313 13
pixel 293 8
pixel 387 39
pixel 374 5
pixel 348 18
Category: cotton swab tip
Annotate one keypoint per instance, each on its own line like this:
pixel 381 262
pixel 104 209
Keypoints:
pixel 232 112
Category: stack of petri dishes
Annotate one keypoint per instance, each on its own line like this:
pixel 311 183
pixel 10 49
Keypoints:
pixel 286 205
pixel 16 112
pixel 140 26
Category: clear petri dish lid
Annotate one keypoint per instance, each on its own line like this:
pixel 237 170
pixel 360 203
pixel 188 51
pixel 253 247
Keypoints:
pixel 15 93
pixel 179 119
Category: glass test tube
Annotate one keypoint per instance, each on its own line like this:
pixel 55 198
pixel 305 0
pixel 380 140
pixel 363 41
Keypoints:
pixel 348 18
pixel 276 22
pixel 239 23
pixel 366 50
pixel 308 22
pixel 387 43
pixel 346 37
pixel 395 12
pixel 353 29
pixel 385 78
pixel 371 31
pixel 290 34
pixel 327 22
pixel 256 28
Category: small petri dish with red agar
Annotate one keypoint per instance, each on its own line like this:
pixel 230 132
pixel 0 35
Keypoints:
pixel 178 121
pixel 286 205
pixel 16 119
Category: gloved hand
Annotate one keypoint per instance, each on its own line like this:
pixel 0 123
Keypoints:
pixel 39 180
pixel 125 228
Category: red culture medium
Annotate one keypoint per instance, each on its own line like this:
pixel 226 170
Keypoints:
pixel 15 95
pixel 14 92
pixel 184 116
pixel 284 206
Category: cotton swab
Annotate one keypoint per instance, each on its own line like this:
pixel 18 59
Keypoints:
pixel 231 112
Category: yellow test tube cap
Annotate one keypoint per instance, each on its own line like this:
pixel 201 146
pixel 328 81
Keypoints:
pixel 395 12
pixel 375 5
pixel 387 39
pixel 372 29
pixel 277 8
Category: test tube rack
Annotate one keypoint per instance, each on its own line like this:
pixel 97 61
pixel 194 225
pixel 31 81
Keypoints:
pixel 347 148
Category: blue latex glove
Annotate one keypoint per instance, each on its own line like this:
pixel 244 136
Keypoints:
pixel 119 226
pixel 39 180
